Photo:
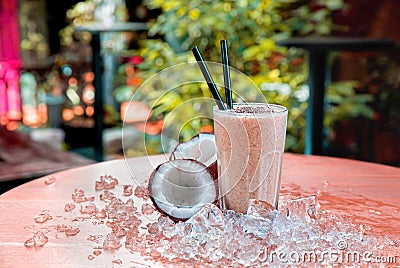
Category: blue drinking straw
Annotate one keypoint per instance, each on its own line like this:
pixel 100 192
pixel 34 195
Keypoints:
pixel 207 76
pixel 227 77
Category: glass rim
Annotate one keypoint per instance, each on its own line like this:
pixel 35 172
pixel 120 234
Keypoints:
pixel 282 109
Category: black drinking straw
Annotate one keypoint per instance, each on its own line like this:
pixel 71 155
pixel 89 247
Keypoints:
pixel 227 76
pixel 207 76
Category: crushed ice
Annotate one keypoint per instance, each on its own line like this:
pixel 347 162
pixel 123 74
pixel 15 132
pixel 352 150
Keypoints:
pixel 127 190
pixel 42 217
pixel 39 239
pixel 49 180
pixel 211 236
pixel 261 236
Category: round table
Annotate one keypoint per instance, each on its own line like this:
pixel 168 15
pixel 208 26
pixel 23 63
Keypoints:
pixel 366 192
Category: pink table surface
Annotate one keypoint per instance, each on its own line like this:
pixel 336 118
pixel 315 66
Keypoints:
pixel 368 193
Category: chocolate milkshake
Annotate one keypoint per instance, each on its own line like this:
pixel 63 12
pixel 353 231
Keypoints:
pixel 250 141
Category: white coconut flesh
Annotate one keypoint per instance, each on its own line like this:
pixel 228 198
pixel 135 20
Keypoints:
pixel 181 187
pixel 201 148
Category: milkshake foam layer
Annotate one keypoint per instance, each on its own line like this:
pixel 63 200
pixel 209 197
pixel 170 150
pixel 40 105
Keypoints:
pixel 266 109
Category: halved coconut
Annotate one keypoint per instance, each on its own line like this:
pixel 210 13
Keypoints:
pixel 181 187
pixel 201 148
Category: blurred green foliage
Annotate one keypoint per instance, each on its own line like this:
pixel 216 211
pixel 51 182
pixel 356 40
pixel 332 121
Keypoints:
pixel 78 14
pixel 252 28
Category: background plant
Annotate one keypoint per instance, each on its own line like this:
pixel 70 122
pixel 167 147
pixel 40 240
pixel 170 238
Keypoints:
pixel 252 28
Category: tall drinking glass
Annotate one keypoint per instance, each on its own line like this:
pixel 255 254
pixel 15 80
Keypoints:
pixel 250 140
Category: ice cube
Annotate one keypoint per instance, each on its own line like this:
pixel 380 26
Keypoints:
pixel 43 217
pixel 101 214
pixel 134 241
pixel 115 207
pixel 209 215
pixel 99 185
pixel 117 261
pixel 197 231
pixel 166 226
pixel 128 189
pixel 259 209
pixel 68 207
pixel 258 219
pixel 93 238
pixel 233 222
pixel 164 221
pixel 61 227
pixel 50 180
pixel 129 206
pixel 141 192
pixel 78 196
pixel 304 208
pixel 111 242
pixel 257 227
pixel 70 231
pixel 148 209
pixel 40 239
pixel 97 252
pixel 118 231
pixel 106 195
pixel 29 243
pixel 206 224
pixel 153 228
pixel 248 254
pixel 90 209
pixel 109 181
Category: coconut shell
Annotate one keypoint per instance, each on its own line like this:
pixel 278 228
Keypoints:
pixel 172 156
pixel 151 179
pixel 213 167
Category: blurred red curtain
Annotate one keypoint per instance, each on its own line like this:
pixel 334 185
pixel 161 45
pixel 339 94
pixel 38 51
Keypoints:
pixel 10 62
